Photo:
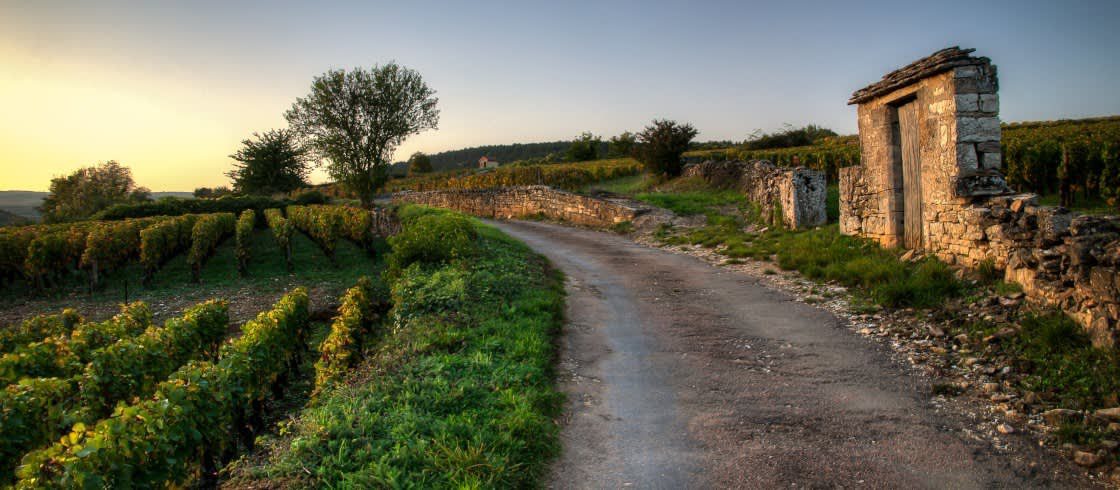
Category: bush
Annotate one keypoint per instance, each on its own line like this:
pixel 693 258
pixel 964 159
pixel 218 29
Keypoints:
pixel 243 236
pixel 661 145
pixel 179 207
pixel 310 197
pixel 208 231
pixel 281 232
pixel 164 240
pixel 38 328
pixel 192 417
pixel 349 332
pixel 568 176
pixel 431 239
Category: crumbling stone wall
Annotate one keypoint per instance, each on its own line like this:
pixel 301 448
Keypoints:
pixel 1061 258
pixel 522 201
pixel 795 196
pixel 969 216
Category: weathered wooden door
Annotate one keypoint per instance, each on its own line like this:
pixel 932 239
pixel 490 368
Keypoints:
pixel 911 176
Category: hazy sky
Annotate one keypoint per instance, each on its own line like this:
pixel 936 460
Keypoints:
pixel 170 88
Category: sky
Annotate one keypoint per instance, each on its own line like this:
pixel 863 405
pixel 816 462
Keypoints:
pixel 171 88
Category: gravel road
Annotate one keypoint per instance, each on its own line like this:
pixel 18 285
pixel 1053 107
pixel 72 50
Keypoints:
pixel 683 375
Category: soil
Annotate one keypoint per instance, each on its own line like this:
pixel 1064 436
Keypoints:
pixel 682 374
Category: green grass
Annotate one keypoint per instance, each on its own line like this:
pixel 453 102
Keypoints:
pixel 1058 362
pixel 459 394
pixel 832 203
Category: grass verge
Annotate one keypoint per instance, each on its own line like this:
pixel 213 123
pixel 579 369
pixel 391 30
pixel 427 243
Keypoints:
pixel 459 394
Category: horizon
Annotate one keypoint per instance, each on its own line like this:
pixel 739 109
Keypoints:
pixel 170 91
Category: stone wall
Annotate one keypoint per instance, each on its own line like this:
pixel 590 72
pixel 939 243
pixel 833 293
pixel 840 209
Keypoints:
pixel 1061 258
pixel 795 195
pixel 522 201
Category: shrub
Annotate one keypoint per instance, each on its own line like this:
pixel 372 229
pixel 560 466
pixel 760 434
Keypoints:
pixel 661 145
pixel 52 254
pixel 133 366
pixel 208 231
pixel 431 239
pixel 65 355
pixel 38 328
pixel 179 207
pixel 281 232
pixel 110 245
pixel 568 176
pixel 310 197
pixel 349 332
pixel 164 240
pixel 243 236
pixel 193 416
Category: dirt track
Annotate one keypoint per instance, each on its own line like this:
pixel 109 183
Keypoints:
pixel 679 374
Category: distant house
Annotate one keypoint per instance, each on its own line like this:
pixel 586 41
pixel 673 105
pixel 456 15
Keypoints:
pixel 487 162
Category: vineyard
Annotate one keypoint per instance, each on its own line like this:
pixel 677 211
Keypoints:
pixel 567 176
pixel 128 402
pixel 49 257
pixel 1076 160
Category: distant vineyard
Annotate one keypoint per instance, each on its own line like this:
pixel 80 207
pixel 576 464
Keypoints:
pixel 1077 159
pixel 1065 157
pixel 568 176
pixel 46 255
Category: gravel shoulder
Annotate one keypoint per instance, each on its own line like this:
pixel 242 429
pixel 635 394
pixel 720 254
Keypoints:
pixel 682 374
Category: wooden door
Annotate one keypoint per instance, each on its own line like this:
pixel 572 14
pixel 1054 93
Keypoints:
pixel 912 224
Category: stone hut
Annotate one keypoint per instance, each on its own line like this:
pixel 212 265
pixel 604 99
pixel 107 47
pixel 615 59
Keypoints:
pixel 929 179
pixel 929 134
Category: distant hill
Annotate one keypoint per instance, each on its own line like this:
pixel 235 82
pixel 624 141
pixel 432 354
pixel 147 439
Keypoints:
pixel 468 157
pixel 23 203
pixel 9 219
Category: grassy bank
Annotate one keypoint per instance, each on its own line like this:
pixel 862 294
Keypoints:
pixel 459 394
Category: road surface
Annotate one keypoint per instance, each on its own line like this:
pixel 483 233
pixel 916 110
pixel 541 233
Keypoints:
pixel 680 374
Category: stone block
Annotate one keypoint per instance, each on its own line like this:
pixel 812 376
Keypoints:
pixel 978 129
pixel 990 161
pixel 989 103
pixel 968 102
pixel 966 157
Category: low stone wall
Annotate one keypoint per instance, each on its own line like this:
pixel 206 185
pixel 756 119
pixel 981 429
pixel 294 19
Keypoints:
pixel 516 202
pixel 796 195
pixel 1061 258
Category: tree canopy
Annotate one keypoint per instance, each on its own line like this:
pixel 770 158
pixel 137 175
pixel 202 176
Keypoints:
pixel 584 148
pixel 89 190
pixel 419 163
pixel 661 145
pixel 269 163
pixel 621 146
pixel 355 120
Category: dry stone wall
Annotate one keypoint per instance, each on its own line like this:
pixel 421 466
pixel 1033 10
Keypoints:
pixel 794 196
pixel 1060 258
pixel 522 201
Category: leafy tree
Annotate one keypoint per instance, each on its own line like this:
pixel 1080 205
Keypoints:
pixel 584 148
pixel 209 193
pixel 621 145
pixel 355 120
pixel 268 163
pixel 89 190
pixel 419 163
pixel 661 144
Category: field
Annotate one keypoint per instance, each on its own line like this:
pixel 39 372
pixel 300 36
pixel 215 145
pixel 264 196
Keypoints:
pixel 567 176
pixel 198 392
